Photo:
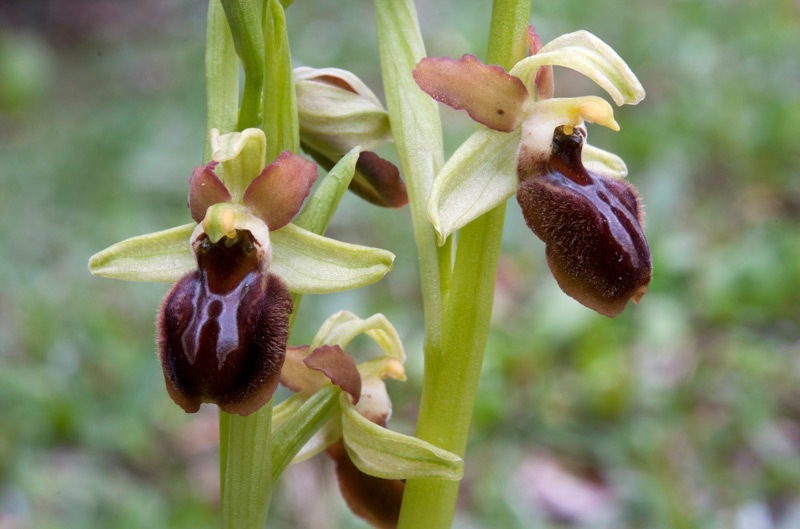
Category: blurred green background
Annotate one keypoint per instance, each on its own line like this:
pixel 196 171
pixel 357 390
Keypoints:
pixel 684 412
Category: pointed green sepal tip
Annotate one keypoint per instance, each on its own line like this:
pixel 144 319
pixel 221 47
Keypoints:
pixel 383 453
pixel 313 264
pixel 161 256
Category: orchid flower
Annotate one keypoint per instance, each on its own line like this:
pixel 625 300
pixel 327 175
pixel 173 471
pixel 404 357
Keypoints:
pixel 572 195
pixel 223 327
pixel 371 461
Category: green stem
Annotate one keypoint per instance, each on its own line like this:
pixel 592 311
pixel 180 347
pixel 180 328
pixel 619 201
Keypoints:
pixel 417 132
pixel 244 18
pixel 248 471
pixel 451 380
pixel 222 100
pixel 222 76
pixel 245 452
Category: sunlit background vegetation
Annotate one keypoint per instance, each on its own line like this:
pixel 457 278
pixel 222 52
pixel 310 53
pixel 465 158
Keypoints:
pixel 684 412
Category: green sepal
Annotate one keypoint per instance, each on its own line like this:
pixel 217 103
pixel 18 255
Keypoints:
pixel 242 156
pixel 290 432
pixel 312 264
pixel 603 162
pixel 160 256
pixel 587 54
pixel 479 176
pixel 320 206
pixel 383 453
pixel 341 328
pixel 326 435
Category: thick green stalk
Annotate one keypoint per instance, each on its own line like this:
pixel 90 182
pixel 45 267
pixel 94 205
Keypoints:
pixel 222 102
pixel 244 18
pixel 222 76
pixel 248 481
pixel 248 471
pixel 451 379
pixel 417 132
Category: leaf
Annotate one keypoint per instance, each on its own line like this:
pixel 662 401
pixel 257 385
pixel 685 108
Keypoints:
pixel 322 203
pixel 383 453
pixel 479 176
pixel 296 428
pixel 160 256
pixel 312 264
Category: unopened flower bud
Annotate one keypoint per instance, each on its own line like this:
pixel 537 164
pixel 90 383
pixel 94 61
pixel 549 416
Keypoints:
pixel 338 112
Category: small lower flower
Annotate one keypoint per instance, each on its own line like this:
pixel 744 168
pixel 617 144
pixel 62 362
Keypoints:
pixel 371 461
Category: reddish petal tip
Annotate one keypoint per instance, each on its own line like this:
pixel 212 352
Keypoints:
pixel 205 189
pixel 378 181
pixel 277 194
pixel 488 94
pixel 338 366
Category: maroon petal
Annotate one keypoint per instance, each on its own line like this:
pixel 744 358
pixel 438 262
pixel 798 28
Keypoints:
pixel 296 375
pixel 338 366
pixel 488 94
pixel 376 500
pixel 222 330
pixel 378 181
pixel 592 226
pixel 205 189
pixel 544 84
pixel 278 192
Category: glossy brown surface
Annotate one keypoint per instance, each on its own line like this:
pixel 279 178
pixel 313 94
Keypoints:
pixel 592 227
pixel 223 330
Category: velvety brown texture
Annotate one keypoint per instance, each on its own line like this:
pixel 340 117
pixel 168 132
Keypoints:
pixel 592 226
pixel 222 329
pixel 376 500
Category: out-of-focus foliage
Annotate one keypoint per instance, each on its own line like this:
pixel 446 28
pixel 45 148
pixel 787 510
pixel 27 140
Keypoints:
pixel 684 412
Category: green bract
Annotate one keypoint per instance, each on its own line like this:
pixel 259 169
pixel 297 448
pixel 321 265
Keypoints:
pixel 390 455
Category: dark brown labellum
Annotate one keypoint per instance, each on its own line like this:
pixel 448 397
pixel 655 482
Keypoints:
pixel 592 226
pixel 223 329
